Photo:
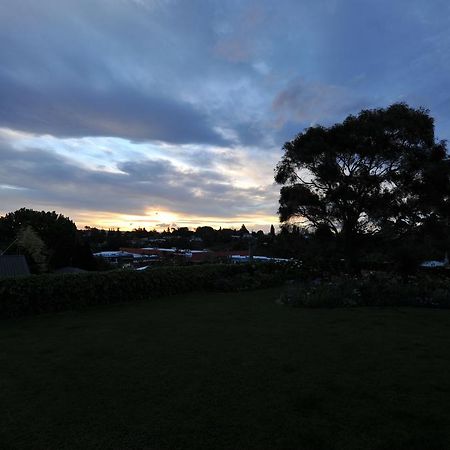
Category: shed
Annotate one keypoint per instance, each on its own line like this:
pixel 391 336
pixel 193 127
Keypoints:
pixel 13 266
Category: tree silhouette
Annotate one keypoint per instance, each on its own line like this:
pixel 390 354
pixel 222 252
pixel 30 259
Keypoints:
pixel 243 230
pixel 58 232
pixel 378 172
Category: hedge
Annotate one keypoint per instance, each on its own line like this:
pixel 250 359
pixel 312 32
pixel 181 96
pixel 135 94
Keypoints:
pixel 376 290
pixel 51 292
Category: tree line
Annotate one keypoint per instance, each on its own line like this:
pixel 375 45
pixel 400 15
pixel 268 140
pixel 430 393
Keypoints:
pixel 50 240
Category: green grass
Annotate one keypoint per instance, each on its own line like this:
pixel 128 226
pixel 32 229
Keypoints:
pixel 226 371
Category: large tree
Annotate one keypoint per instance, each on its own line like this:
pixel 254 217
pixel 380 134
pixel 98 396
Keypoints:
pixel 59 234
pixel 380 172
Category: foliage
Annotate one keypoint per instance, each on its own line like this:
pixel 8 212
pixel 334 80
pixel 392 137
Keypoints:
pixel 272 230
pixel 380 172
pixel 374 290
pixel 44 293
pixel 35 248
pixel 58 232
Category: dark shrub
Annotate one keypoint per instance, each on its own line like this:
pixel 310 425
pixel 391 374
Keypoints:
pixel 374 290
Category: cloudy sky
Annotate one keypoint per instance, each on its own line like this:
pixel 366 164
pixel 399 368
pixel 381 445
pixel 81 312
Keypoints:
pixel 153 112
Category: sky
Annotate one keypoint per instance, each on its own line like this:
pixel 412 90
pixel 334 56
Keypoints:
pixel 156 113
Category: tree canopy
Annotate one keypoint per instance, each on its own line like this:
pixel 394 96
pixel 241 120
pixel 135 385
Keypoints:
pixel 58 233
pixel 381 171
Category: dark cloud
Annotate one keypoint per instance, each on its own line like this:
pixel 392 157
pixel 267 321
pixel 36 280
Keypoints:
pixel 315 102
pixel 301 104
pixel 178 71
pixel 78 111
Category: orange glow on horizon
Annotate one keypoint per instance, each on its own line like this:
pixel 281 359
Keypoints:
pixel 156 218
pixel 160 220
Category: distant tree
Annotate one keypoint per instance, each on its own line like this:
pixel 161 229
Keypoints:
pixel 82 256
pixel 139 233
pixel 181 238
pixel 287 244
pixel 206 234
pixel 183 232
pixel 225 235
pixel 272 230
pixel 114 239
pixel 243 230
pixel 380 172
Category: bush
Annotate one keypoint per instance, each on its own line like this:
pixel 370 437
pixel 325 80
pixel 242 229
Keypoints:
pixel 57 292
pixel 374 290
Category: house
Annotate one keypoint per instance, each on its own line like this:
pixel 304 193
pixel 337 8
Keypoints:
pixel 13 266
pixel 187 255
pixel 436 264
pixel 227 254
pixel 131 257
pixel 116 257
pixel 196 256
pixel 261 259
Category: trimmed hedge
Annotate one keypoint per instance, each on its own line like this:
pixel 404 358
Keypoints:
pixel 45 293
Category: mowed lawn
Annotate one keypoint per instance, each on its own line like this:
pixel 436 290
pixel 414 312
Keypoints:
pixel 226 371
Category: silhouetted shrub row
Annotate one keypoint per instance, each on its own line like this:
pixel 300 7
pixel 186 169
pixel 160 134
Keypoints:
pixel 45 293
pixel 379 290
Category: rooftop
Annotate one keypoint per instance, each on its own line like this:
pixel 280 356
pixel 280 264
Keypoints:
pixel 13 266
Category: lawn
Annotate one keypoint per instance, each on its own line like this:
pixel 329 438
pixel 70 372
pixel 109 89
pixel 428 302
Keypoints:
pixel 226 371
